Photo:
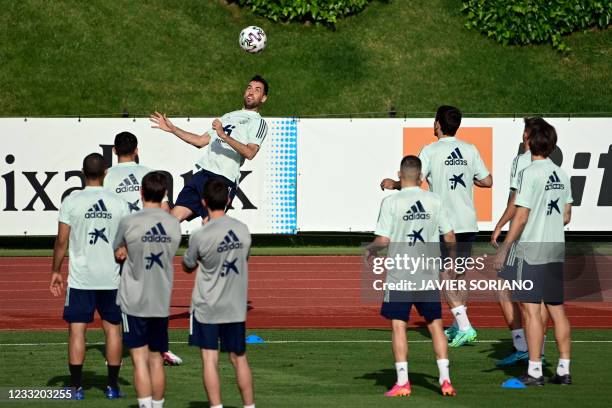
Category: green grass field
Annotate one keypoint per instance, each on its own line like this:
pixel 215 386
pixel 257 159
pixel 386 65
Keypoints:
pixel 97 57
pixel 323 368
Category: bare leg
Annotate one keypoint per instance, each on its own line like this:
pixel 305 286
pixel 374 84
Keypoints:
pixel 76 343
pixel 510 310
pixel 439 341
pixel 158 375
pixel 243 377
pixel 562 330
pixel 399 341
pixel 181 213
pixel 113 342
pixel 534 330
pixel 210 359
pixel 142 379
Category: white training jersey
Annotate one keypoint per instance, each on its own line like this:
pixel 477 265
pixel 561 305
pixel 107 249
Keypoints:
pixel 450 167
pixel 93 215
pixel 125 179
pixel 520 162
pixel 545 189
pixel 246 127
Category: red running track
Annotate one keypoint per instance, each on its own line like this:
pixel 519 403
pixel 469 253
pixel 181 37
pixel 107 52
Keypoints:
pixel 284 292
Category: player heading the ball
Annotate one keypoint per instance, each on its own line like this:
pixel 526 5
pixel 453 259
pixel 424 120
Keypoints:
pixel 234 137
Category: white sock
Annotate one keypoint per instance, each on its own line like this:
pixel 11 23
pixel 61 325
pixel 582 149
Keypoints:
pixel 460 313
pixel 158 404
pixel 146 402
pixel 402 372
pixel 443 368
pixel 563 367
pixel 250 406
pixel 535 369
pixel 518 339
pixel 217 406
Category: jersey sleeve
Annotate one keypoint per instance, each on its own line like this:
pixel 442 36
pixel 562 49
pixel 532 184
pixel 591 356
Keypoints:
pixel 425 163
pixel 190 258
pixel 480 170
pixel 444 224
pixel 384 225
pixel 514 174
pixel 65 210
pixel 525 191
pixel 258 130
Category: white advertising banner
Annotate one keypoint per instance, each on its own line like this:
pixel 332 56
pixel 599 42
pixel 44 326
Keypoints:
pixel 40 164
pixel 341 163
pixel 310 175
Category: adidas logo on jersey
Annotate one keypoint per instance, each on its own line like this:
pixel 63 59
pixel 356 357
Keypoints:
pixel 230 242
pixel 416 212
pixel 455 158
pixel 130 183
pixel 554 182
pixel 156 234
pixel 98 210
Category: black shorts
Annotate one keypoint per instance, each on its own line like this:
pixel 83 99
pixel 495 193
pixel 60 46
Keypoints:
pixel 230 336
pixel 81 305
pixel 538 283
pixel 191 195
pixel 145 331
pixel 399 305
pixel 464 243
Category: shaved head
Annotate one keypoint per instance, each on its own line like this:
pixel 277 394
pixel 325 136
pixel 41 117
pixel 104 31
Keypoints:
pixel 410 168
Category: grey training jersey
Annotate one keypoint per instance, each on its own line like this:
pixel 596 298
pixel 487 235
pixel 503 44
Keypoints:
pixel 152 237
pixel 222 249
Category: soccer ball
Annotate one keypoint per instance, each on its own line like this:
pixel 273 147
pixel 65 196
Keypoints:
pixel 252 39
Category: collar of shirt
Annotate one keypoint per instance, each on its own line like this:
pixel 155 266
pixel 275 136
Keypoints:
pixel 126 164
pixel 447 139
pixel 410 188
pixel 93 187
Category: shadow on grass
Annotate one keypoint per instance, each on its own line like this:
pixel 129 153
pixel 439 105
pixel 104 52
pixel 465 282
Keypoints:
pixel 497 351
pixel 90 380
pixel 387 377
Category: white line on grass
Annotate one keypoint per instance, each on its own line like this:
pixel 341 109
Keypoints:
pixel 298 342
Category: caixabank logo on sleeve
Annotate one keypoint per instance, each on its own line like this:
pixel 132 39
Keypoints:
pixel 482 137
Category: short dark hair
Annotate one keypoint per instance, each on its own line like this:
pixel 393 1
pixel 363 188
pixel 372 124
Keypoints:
pixel 94 166
pixel 125 143
pixel 542 137
pixel 449 119
pixel 154 186
pixel 409 164
pixel 259 78
pixel 216 194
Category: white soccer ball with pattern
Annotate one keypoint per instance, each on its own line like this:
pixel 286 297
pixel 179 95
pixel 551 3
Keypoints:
pixel 252 39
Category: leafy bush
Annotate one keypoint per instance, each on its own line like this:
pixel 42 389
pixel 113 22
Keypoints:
pixel 321 11
pixel 535 21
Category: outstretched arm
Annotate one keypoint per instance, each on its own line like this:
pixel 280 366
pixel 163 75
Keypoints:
pixel 389 184
pixel 163 123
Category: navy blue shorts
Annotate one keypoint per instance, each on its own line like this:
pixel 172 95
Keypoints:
pixel 145 331
pixel 81 305
pixel 545 282
pixel 231 336
pixel 191 195
pixel 464 242
pixel 400 303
